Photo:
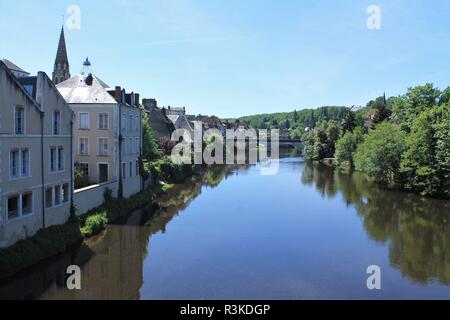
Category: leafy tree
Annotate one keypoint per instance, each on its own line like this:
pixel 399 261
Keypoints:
pixel 346 148
pixel 287 124
pixel 295 116
pixel 349 122
pixel 380 153
pixel 414 102
pixel 150 150
pixel 426 162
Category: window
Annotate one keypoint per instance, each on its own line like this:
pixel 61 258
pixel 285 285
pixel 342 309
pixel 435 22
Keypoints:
pixel 103 146
pixel 58 194
pixel 103 121
pixel 84 121
pixel 65 193
pixel 52 159
pixel 60 158
pixel 131 169
pixel 56 123
pixel 27 203
pixel 14 164
pixel 84 167
pixel 84 146
pixel 25 162
pixel 13 207
pixel 137 168
pixel 124 171
pixel 137 123
pixel 19 163
pixel 20 120
pixel 130 122
pixel 49 197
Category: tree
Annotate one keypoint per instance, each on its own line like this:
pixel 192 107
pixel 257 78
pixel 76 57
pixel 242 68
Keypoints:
pixel 150 150
pixel 287 124
pixel 346 148
pixel 295 116
pixel 349 122
pixel 426 162
pixel 380 154
pixel 414 102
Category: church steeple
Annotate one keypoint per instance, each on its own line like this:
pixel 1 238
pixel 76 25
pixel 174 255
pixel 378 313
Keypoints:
pixel 61 70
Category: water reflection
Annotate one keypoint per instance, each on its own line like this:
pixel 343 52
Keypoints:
pixel 416 229
pixel 115 270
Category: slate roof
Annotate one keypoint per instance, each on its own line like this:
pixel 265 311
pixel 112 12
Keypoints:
pixel 76 90
pixel 13 67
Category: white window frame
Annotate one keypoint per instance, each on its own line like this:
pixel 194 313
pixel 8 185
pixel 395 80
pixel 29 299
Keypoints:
pixel 19 168
pixel 59 123
pixel 99 114
pixel 59 160
pixel 100 147
pixel 88 169
pixel 88 121
pixel 87 146
pixel 24 124
pixel 20 206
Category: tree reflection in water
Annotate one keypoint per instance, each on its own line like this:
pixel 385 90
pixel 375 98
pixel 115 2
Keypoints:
pixel 417 229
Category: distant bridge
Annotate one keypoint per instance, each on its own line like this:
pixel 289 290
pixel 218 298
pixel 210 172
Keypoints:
pixel 289 143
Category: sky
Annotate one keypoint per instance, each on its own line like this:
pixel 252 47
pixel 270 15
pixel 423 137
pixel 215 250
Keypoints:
pixel 233 58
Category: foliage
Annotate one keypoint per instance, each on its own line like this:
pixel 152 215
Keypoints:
pixel 150 149
pixel 426 162
pixel 45 244
pixel 81 179
pixel 380 153
pixel 417 100
pixel 94 224
pixel 166 145
pixel 346 148
pixel 320 142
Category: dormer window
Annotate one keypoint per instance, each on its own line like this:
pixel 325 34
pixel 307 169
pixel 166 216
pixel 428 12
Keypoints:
pixel 19 120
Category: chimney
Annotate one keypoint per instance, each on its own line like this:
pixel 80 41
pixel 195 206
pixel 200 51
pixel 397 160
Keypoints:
pixel 150 104
pixel 118 94
pixel 164 111
pixel 136 99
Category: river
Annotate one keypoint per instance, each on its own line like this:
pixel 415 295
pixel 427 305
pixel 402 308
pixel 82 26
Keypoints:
pixel 306 233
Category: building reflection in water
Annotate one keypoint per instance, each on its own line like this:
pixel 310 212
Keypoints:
pixel 115 269
pixel 417 229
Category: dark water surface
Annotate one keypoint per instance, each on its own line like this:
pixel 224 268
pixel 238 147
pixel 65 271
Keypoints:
pixel 307 232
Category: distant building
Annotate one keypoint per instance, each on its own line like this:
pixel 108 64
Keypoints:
pixel 61 69
pixel 209 122
pixel 176 111
pixel 107 131
pixel 161 125
pixel 35 155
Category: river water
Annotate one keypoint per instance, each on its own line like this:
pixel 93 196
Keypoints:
pixel 306 233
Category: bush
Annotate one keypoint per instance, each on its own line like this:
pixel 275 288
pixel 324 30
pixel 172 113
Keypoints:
pixel 380 153
pixel 94 224
pixel 81 179
pixel 45 244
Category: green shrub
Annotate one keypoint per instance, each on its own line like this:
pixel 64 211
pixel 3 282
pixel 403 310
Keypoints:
pixel 45 244
pixel 94 224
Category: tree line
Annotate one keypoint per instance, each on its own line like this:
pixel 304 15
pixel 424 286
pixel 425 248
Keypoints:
pixel 402 141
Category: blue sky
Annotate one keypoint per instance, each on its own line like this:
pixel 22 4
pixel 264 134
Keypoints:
pixel 234 57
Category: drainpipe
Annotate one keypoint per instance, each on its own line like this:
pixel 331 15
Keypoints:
pixel 120 191
pixel 72 172
pixel 42 169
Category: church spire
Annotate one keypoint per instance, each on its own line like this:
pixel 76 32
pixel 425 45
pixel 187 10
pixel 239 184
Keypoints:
pixel 61 71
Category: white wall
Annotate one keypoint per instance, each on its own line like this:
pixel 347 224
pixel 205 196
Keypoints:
pixel 92 197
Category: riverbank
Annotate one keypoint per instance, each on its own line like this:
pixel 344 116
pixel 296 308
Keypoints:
pixel 56 240
pixel 46 244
